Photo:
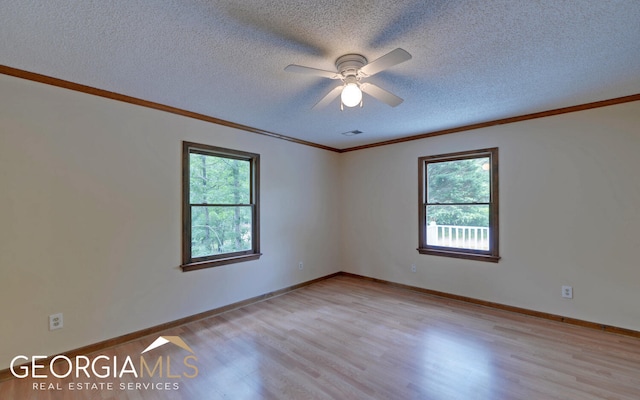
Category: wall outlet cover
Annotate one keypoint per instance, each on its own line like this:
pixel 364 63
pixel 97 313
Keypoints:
pixel 55 321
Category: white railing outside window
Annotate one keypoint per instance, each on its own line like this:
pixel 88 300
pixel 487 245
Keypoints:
pixel 463 237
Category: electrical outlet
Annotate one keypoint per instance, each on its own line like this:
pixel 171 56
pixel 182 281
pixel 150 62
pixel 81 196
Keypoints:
pixel 413 268
pixel 55 321
pixel 567 292
pixel 300 265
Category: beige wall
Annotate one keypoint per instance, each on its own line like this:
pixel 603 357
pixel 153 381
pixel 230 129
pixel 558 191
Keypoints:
pixel 569 215
pixel 90 218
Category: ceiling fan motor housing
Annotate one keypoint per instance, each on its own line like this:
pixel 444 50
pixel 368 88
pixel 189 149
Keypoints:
pixel 350 64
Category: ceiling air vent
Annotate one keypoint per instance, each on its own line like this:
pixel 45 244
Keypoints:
pixel 351 133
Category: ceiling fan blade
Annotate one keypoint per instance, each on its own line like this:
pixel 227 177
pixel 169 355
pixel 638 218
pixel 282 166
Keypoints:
pixel 381 94
pixel 388 60
pixel 299 69
pixel 335 92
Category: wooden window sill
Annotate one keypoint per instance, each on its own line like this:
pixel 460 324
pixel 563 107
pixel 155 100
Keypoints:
pixel 459 254
pixel 219 261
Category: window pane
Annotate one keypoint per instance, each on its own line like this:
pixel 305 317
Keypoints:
pixel 219 180
pixel 461 181
pixel 219 230
pixel 464 227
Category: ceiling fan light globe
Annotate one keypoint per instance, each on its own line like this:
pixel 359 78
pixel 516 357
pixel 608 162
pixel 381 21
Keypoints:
pixel 351 95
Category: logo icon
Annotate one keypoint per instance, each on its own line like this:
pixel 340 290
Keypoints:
pixel 162 340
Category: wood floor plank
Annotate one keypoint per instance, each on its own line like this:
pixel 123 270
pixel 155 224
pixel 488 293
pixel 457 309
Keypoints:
pixel 348 338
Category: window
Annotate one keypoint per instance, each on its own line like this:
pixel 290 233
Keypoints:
pixel 459 205
pixel 220 216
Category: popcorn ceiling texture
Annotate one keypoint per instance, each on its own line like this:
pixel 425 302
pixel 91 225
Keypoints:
pixel 473 61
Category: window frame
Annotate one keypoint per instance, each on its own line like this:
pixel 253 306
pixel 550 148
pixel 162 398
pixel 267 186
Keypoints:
pixel 491 255
pixel 190 263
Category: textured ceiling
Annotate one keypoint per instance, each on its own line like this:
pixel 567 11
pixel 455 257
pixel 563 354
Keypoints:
pixel 473 60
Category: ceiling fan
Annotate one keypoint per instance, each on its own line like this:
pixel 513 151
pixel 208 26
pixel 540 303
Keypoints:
pixel 352 69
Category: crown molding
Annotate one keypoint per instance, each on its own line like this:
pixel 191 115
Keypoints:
pixel 48 80
pixel 503 121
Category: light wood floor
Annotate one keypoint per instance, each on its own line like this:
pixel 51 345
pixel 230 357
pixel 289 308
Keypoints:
pixel 347 338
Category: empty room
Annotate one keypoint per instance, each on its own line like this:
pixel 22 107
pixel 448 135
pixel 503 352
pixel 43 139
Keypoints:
pixel 223 199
